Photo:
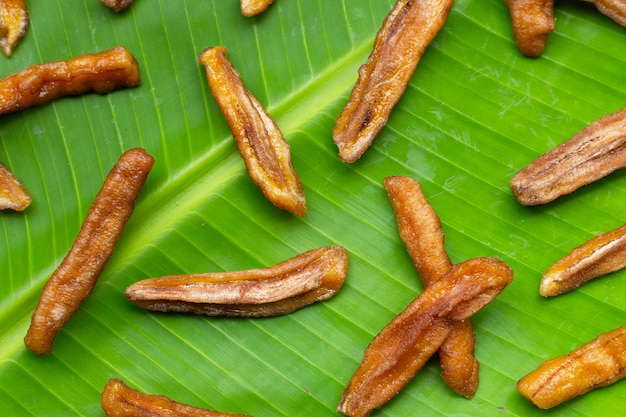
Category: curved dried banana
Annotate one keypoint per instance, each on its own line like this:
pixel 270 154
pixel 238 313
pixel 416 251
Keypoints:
pixel 312 276
pixel 596 364
pixel 265 151
pixel 119 400
pixel 399 45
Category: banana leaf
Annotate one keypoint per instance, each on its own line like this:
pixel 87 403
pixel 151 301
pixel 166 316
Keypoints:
pixel 475 112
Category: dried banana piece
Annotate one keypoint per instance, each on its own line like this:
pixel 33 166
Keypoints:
pixel 251 8
pixel 312 276
pixel 102 72
pixel 14 20
pixel 591 154
pixel 598 256
pixel 117 5
pixel 420 230
pixel 400 43
pixel 402 348
pixel 614 9
pixel 532 22
pixel 261 143
pixel 119 400
pixel 596 364
pixel 13 195
pixel 78 273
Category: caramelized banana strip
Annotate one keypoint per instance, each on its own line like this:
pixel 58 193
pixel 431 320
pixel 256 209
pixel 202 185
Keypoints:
pixel 598 256
pixel 280 289
pixel 76 277
pixel 102 72
pixel 399 45
pixel 402 348
pixel 251 8
pixel 117 5
pixel 419 227
pixel 596 364
pixel 14 20
pixel 261 143
pixel 532 21
pixel 614 9
pixel 591 154
pixel 119 400
pixel 420 230
pixel 13 195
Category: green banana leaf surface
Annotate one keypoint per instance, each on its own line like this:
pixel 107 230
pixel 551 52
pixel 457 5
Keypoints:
pixel 475 112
